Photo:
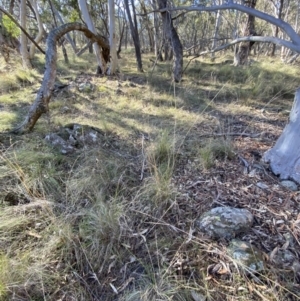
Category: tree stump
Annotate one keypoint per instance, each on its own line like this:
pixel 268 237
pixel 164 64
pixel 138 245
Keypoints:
pixel 284 157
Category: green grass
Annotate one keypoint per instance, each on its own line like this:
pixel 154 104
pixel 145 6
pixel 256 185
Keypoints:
pixel 217 149
pixel 117 216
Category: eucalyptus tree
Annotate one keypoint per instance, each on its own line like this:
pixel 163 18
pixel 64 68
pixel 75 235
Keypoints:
pixel 171 34
pixel 102 63
pixel 242 53
pixel 134 33
pixel 23 50
pixel 112 38
pixel 41 29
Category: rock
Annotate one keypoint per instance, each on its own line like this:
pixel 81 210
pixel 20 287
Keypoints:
pixel 83 135
pixel 282 258
pixel 247 256
pixel 60 144
pixel 289 185
pixel 225 222
pixel 197 296
pixel 262 185
pixel 74 136
pixel 86 87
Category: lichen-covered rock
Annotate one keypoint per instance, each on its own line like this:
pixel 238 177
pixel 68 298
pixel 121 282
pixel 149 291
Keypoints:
pixel 289 185
pixel 74 136
pixel 225 222
pixel 284 259
pixel 86 87
pixel 247 256
pixel 60 144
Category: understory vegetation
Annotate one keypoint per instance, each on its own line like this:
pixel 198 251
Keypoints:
pixel 115 220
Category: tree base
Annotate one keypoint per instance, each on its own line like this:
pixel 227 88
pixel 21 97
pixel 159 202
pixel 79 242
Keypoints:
pixel 284 157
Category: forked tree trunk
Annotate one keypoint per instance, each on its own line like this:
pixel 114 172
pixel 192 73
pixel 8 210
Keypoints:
pixel 98 51
pixel 134 34
pixel 241 56
pixel 40 105
pixel 175 42
pixel 284 157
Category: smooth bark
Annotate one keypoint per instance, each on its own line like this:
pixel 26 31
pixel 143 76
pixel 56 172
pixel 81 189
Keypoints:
pixel 112 38
pixel 23 50
pixel 284 157
pixel 59 17
pixel 278 11
pixel 98 51
pixel 41 29
pixel 135 37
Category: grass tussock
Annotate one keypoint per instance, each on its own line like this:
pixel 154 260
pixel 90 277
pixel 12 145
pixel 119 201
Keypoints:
pixel 115 220
pixel 215 149
pixel 160 158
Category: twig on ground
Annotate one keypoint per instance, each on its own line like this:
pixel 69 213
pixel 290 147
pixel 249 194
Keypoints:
pixel 231 134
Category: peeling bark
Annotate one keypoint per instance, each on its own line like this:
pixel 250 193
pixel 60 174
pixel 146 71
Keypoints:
pixel 241 57
pixel 175 42
pixel 284 157
pixel 40 105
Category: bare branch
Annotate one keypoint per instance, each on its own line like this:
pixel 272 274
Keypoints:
pixel 284 26
pixel 25 32
pixel 249 39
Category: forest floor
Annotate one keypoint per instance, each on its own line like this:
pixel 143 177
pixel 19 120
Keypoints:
pixel 115 220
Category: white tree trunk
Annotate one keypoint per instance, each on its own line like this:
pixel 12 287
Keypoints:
pixel 217 25
pixel 87 19
pixel 23 49
pixel 41 32
pixel 112 38
pixel 68 37
pixel 284 157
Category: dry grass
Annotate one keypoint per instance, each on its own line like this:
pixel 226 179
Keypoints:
pixel 116 221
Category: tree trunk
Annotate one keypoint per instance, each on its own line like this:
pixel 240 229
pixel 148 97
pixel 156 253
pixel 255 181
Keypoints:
pixel 41 31
pixel 59 17
pixel 175 42
pixel 40 105
pixel 135 36
pixel 98 51
pixel 278 11
pixel 241 56
pixel 24 52
pixel 157 48
pixel 216 33
pixel 121 31
pixel 284 157
pixel 112 38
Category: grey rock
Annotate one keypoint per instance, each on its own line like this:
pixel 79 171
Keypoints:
pixel 284 259
pixel 225 222
pixel 60 144
pixel 262 185
pixel 289 185
pixel 86 87
pixel 246 256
